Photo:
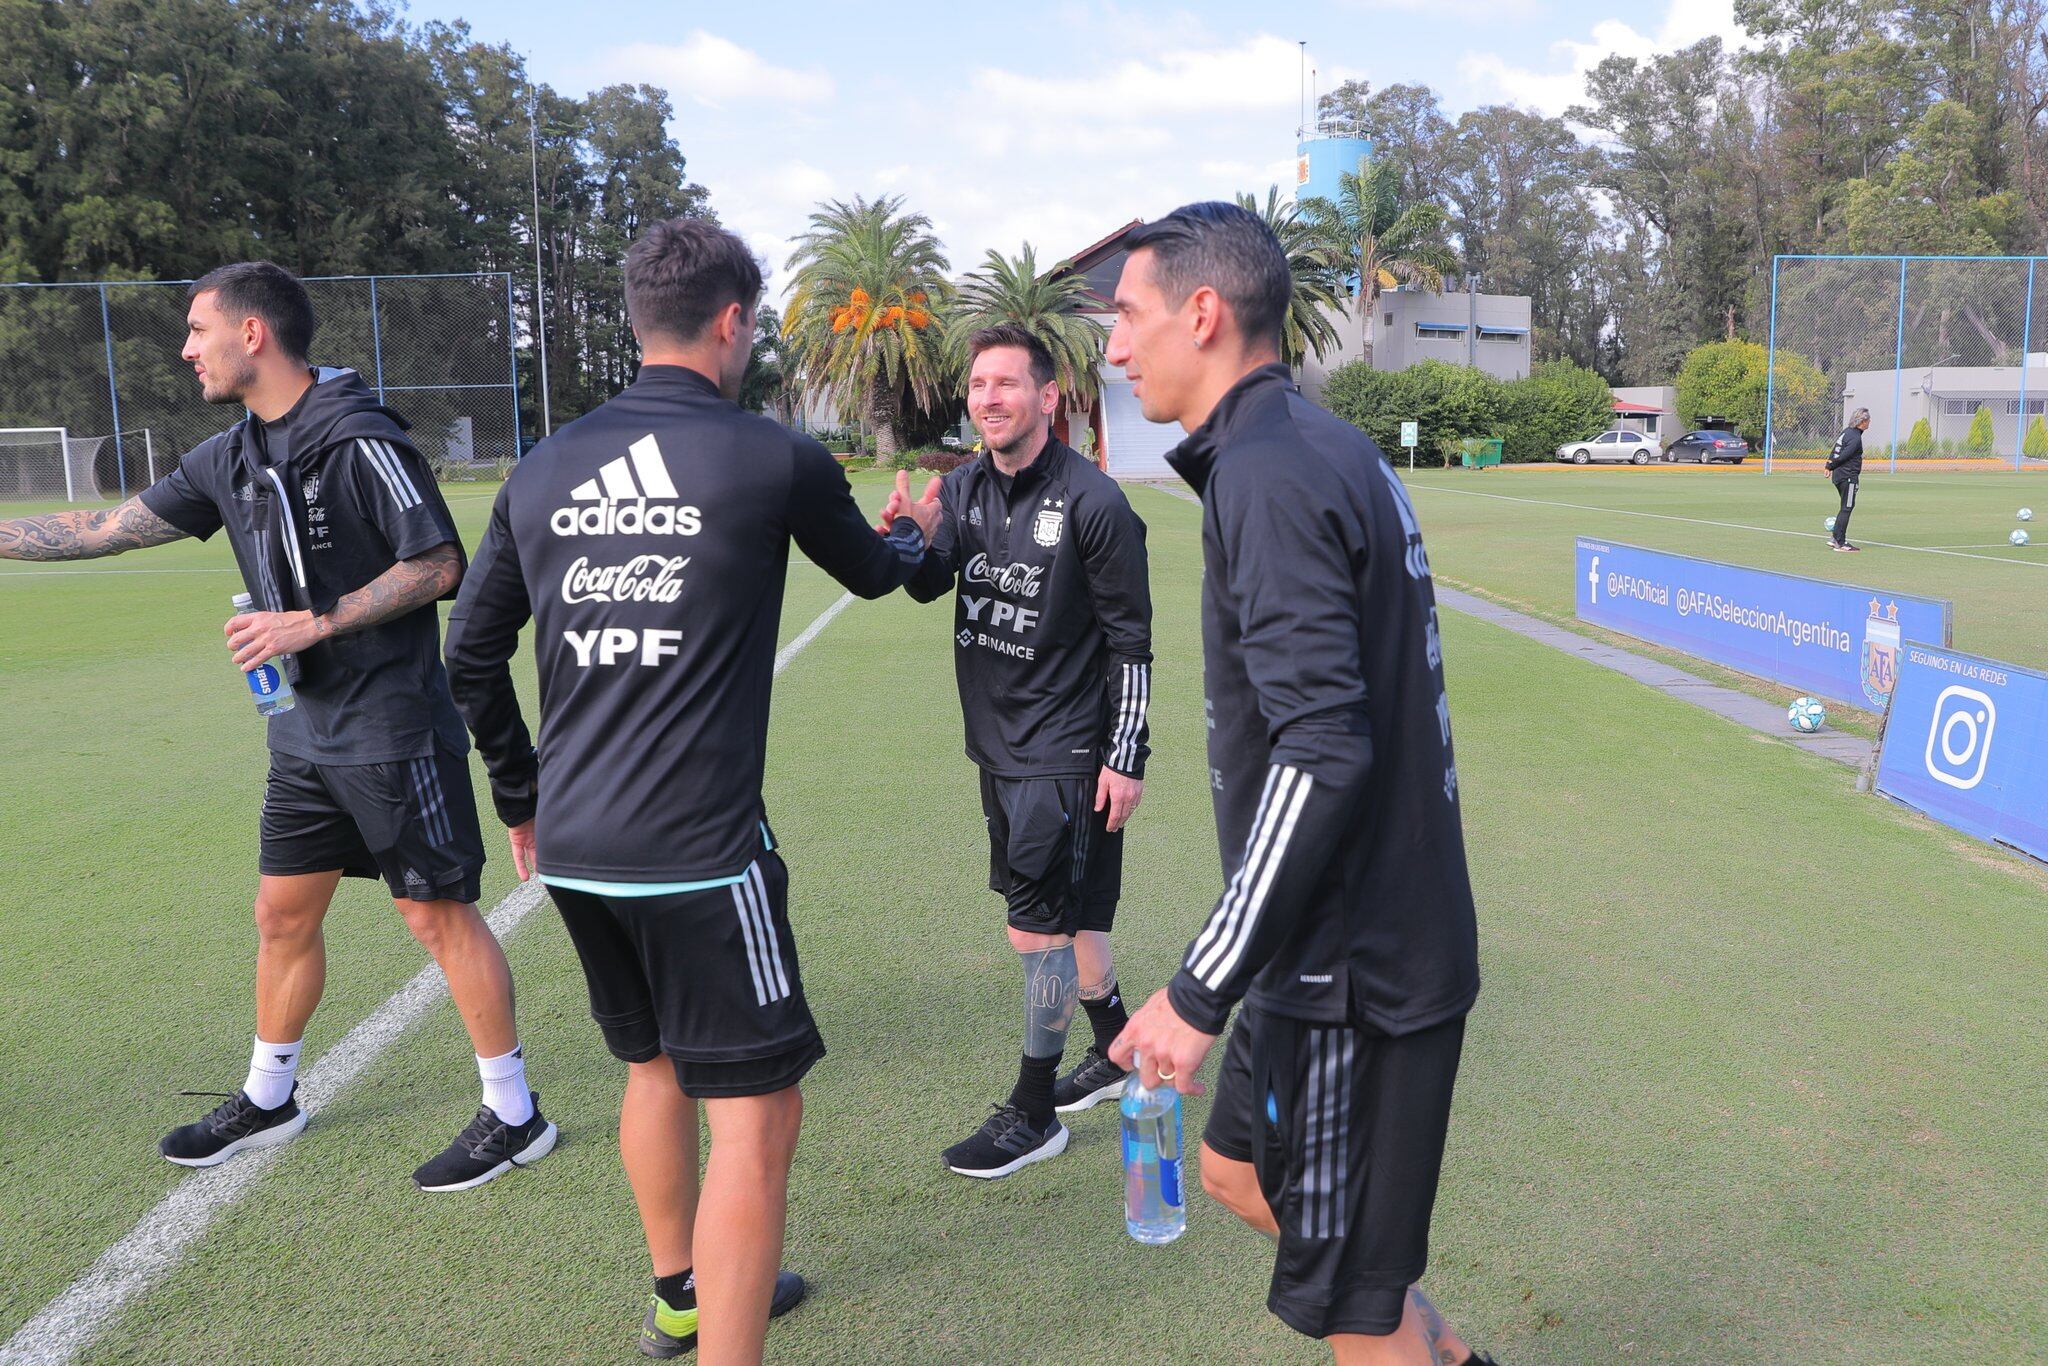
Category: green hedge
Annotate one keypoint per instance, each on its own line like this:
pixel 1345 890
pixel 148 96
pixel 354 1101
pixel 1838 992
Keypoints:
pixel 1558 402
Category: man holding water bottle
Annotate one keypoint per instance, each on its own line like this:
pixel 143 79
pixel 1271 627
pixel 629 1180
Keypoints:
pixel 345 546
pixel 1346 926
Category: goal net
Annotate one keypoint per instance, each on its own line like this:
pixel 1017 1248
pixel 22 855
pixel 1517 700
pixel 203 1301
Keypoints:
pixel 54 464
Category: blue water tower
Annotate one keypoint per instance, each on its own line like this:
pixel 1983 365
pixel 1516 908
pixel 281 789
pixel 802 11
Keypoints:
pixel 1319 161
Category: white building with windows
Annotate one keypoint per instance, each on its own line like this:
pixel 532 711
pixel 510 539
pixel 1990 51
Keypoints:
pixel 1948 397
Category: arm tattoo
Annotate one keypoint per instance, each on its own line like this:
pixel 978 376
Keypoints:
pixel 1433 1329
pixel 84 535
pixel 399 589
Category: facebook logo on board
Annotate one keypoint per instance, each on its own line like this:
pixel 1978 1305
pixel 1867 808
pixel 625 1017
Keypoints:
pixel 1834 640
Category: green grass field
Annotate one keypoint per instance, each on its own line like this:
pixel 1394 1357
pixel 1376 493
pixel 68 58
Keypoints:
pixel 1755 1075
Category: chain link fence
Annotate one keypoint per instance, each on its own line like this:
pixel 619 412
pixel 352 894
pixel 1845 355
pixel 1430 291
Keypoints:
pixel 1949 354
pixel 99 363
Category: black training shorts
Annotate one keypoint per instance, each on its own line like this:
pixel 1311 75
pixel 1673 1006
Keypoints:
pixel 1050 853
pixel 707 977
pixel 1345 1126
pixel 411 822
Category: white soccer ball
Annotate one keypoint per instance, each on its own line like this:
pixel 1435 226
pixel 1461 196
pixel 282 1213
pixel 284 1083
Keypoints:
pixel 1829 524
pixel 1807 715
pixel 2026 514
pixel 2018 538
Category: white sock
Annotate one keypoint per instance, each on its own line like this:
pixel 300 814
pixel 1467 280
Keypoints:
pixel 505 1088
pixel 271 1069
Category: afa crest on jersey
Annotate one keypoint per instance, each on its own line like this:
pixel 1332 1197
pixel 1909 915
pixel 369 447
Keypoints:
pixel 1046 530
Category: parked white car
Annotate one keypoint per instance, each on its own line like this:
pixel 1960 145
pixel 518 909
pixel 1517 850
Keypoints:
pixel 1611 448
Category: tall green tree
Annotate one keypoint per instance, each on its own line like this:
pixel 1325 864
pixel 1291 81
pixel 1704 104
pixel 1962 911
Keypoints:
pixel 1055 306
pixel 863 317
pixel 1385 238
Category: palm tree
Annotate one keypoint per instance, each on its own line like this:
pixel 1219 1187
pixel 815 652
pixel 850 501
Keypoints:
pixel 1051 306
pixel 1390 240
pixel 867 287
pixel 1318 278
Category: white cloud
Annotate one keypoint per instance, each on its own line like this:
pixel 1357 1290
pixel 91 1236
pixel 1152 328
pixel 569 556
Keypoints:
pixel 714 72
pixel 1561 83
pixel 1055 151
pixel 1260 73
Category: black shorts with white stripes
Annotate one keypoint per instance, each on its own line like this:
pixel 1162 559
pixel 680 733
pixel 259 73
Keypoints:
pixel 1051 854
pixel 706 976
pixel 411 822
pixel 1345 1126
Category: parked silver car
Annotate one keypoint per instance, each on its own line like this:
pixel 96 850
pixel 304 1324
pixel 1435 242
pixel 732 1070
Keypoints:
pixel 1610 448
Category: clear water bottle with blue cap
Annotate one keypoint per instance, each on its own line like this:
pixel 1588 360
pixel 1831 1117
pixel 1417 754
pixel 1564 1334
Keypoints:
pixel 1154 1208
pixel 267 683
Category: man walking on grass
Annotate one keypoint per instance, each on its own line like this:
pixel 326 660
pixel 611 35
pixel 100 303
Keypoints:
pixel 344 543
pixel 1845 467
pixel 648 542
pixel 1052 620
pixel 1346 923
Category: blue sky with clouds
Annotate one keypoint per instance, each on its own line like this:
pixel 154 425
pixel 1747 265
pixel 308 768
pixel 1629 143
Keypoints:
pixel 1052 123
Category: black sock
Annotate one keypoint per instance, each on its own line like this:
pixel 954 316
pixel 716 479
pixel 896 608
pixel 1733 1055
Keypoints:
pixel 678 1291
pixel 1034 1089
pixel 1106 1017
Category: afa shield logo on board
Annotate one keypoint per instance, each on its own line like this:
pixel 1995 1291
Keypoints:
pixel 1880 653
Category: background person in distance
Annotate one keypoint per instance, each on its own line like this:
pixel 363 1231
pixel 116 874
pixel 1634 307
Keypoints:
pixel 1346 923
pixel 648 541
pixel 1845 468
pixel 1052 629
pixel 344 543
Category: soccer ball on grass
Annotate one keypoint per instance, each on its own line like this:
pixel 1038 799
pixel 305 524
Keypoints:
pixel 2018 538
pixel 2026 514
pixel 1806 715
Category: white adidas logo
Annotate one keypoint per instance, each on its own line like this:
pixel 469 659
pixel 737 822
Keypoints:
pixel 631 496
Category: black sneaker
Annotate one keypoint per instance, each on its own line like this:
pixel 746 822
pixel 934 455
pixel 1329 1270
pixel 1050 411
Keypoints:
pixel 1002 1145
pixel 1097 1079
pixel 488 1148
pixel 1846 546
pixel 236 1125
pixel 671 1329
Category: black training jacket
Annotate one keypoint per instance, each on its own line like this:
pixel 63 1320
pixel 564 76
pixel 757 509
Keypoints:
pixel 316 505
pixel 1846 460
pixel 1336 792
pixel 1052 618
pixel 648 541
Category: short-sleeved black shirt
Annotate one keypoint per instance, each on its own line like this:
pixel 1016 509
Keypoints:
pixel 311 519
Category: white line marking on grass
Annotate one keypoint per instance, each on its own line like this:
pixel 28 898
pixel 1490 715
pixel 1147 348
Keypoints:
pixel 1730 526
pixel 810 633
pixel 70 1322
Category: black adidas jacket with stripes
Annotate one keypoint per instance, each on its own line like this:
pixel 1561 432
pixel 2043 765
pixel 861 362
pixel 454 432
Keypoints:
pixel 648 542
pixel 1336 793
pixel 1052 615
pixel 316 504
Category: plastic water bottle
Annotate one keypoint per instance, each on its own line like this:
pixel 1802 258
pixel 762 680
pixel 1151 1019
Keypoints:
pixel 272 690
pixel 1154 1210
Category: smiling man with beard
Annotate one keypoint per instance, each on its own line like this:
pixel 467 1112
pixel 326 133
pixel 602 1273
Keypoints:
pixel 1052 620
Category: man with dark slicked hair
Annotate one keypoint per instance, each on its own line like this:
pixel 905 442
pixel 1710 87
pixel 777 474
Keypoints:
pixel 345 545
pixel 1346 925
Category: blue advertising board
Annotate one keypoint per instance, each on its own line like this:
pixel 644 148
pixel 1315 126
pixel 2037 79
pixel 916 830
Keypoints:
pixel 1967 743
pixel 1832 640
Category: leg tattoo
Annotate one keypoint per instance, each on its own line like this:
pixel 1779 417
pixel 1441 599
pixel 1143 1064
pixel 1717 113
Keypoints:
pixel 1049 980
pixel 1098 989
pixel 1434 1330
